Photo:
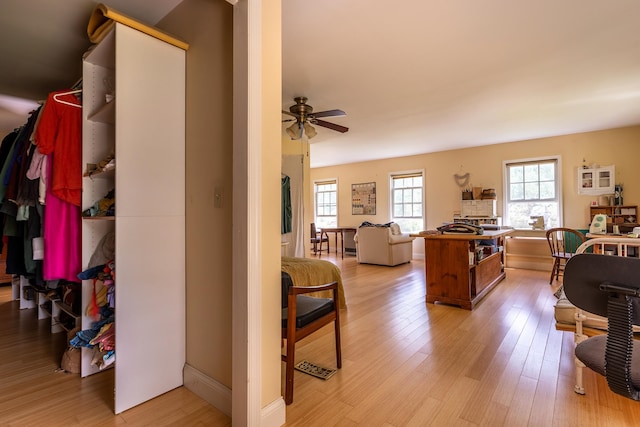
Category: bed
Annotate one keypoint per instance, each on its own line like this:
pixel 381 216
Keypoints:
pixel 587 324
pixel 590 324
pixel 312 272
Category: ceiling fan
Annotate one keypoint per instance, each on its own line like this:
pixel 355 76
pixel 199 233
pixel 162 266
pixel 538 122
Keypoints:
pixel 305 117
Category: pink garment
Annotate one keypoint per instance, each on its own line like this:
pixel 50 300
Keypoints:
pixel 62 237
pixel 59 137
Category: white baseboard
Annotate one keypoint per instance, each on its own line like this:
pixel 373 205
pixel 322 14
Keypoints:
pixel 219 395
pixel 215 393
pixel 274 414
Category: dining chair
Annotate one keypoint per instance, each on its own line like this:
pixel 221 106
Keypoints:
pixel 301 316
pixel 318 238
pixel 563 243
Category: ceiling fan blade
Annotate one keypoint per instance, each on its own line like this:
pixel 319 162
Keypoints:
pixel 329 113
pixel 330 125
pixel 290 114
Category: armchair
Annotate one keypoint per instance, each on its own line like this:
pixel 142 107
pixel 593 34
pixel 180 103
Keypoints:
pixel 383 245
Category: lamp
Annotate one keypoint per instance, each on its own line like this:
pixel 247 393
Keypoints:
pixel 295 130
pixel 309 130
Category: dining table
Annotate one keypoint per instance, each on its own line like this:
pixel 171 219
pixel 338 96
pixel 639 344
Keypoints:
pixel 339 231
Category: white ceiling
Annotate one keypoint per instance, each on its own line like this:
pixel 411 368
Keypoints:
pixel 419 76
pixel 41 46
pixel 414 76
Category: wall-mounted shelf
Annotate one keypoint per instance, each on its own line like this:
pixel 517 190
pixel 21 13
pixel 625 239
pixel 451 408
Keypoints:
pixel 596 181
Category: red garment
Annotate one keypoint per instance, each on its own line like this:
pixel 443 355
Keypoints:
pixel 60 132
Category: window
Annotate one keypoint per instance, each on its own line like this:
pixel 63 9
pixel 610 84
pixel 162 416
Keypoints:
pixel 532 189
pixel 326 196
pixel 407 201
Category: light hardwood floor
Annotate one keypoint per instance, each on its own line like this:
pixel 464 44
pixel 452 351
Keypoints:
pixel 405 363
pixel 33 393
pixel 408 363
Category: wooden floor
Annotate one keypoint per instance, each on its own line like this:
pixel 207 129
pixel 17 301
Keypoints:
pixel 34 393
pixel 408 363
pixel 405 363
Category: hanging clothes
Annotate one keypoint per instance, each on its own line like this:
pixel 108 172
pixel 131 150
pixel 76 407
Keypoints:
pixel 5 150
pixel 17 168
pixel 286 211
pixel 60 132
pixel 59 137
pixel 19 259
pixel 62 238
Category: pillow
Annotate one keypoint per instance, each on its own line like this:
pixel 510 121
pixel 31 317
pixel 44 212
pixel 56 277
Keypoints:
pixel 395 229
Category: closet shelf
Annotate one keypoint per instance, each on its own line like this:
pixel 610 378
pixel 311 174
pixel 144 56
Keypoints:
pixel 107 174
pixel 67 309
pixel 46 309
pixel 56 321
pixel 98 218
pixel 104 114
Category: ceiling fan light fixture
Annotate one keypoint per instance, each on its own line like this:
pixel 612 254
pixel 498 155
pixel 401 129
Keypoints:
pixel 293 131
pixel 304 117
pixel 309 130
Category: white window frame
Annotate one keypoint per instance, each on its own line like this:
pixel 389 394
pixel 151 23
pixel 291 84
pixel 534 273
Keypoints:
pixel 399 174
pixel 506 188
pixel 315 200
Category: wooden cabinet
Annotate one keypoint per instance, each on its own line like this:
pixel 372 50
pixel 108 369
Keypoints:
pixel 456 273
pixel 596 181
pixel 616 214
pixel 134 107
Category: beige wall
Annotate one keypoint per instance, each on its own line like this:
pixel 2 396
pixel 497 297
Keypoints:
pixel 207 26
pixel 616 146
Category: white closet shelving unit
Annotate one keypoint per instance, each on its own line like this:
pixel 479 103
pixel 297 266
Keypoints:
pixel 144 124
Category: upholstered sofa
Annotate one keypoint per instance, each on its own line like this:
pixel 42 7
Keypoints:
pixel 383 245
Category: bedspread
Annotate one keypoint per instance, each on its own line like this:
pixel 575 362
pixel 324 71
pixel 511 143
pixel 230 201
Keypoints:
pixel 313 272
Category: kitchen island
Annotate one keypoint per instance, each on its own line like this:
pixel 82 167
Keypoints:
pixel 462 268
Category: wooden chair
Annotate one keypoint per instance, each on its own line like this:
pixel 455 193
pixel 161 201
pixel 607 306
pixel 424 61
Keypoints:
pixel 301 316
pixel 608 286
pixel 318 238
pixel 563 243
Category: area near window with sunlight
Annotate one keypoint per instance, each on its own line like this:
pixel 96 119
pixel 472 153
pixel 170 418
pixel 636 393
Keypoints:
pixel 532 190
pixel 326 204
pixel 407 201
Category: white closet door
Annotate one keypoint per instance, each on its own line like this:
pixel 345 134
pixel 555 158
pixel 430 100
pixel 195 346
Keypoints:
pixel 150 217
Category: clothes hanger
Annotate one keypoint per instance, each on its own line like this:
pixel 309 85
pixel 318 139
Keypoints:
pixel 55 97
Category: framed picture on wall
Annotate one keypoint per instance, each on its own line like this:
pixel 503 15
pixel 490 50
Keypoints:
pixel 363 198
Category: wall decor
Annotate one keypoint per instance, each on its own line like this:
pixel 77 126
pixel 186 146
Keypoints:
pixel 363 198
